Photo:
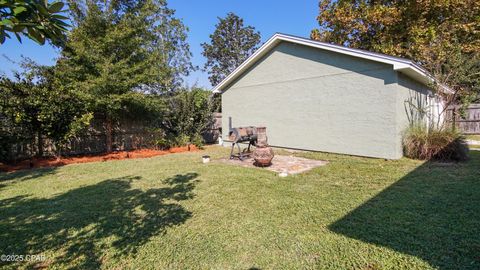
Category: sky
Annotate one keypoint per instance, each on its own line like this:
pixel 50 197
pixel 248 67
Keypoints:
pixel 296 17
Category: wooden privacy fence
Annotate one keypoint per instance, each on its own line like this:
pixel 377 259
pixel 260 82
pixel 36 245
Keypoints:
pixel 127 135
pixel 215 129
pixel 468 125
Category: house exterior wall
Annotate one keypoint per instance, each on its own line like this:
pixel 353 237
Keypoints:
pixel 318 100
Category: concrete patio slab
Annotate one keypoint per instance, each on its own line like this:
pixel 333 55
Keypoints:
pixel 281 164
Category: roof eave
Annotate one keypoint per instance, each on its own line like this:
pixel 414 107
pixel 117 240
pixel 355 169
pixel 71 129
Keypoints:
pixel 418 73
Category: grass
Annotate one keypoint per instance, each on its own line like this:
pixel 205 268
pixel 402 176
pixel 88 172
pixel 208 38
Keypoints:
pixel 473 137
pixel 173 212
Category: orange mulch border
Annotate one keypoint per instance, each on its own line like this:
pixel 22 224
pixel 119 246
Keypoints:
pixel 53 162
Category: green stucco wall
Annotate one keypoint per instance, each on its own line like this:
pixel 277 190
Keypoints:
pixel 317 100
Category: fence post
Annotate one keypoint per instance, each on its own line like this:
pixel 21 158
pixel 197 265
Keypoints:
pixel 454 118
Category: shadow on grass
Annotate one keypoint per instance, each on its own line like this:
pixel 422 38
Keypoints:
pixel 24 175
pixel 432 213
pixel 82 223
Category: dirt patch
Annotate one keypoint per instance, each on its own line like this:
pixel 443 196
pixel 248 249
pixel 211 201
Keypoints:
pixel 281 164
pixel 53 162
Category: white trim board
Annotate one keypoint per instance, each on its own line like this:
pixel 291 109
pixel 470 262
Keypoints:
pixel 405 66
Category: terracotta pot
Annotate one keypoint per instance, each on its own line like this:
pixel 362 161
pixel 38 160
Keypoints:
pixel 263 156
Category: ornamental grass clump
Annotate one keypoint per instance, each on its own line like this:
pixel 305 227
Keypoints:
pixel 443 144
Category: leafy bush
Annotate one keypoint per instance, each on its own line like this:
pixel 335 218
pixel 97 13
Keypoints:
pixel 443 144
pixel 168 142
pixel 188 116
pixel 7 140
pixel 36 105
pixel 181 140
pixel 197 140
pixel 165 143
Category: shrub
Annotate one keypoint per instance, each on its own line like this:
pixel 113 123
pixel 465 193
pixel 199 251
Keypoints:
pixel 444 144
pixel 8 140
pixel 188 116
pixel 182 140
pixel 169 141
pixel 198 140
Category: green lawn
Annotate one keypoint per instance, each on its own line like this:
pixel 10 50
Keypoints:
pixel 172 212
pixel 473 137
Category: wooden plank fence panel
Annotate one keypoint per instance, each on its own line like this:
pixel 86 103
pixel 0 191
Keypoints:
pixel 468 125
pixel 128 135
pixel 212 134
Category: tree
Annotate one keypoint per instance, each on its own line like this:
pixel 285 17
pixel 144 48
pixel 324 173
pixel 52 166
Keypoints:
pixel 461 74
pixel 121 48
pixel 34 106
pixel 230 45
pixel 443 36
pixel 421 30
pixel 35 19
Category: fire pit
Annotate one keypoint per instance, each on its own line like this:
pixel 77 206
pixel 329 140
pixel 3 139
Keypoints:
pixel 263 156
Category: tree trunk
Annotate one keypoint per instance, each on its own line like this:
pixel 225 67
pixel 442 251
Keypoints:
pixel 108 134
pixel 59 152
pixel 40 144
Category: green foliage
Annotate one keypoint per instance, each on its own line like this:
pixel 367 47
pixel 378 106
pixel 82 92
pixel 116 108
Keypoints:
pixel 230 45
pixel 188 116
pixel 122 60
pixel 122 56
pixel 9 135
pixel 421 142
pixel 118 49
pixel 217 102
pixel 35 104
pixel 77 124
pixel 181 140
pixel 461 72
pixel 39 20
